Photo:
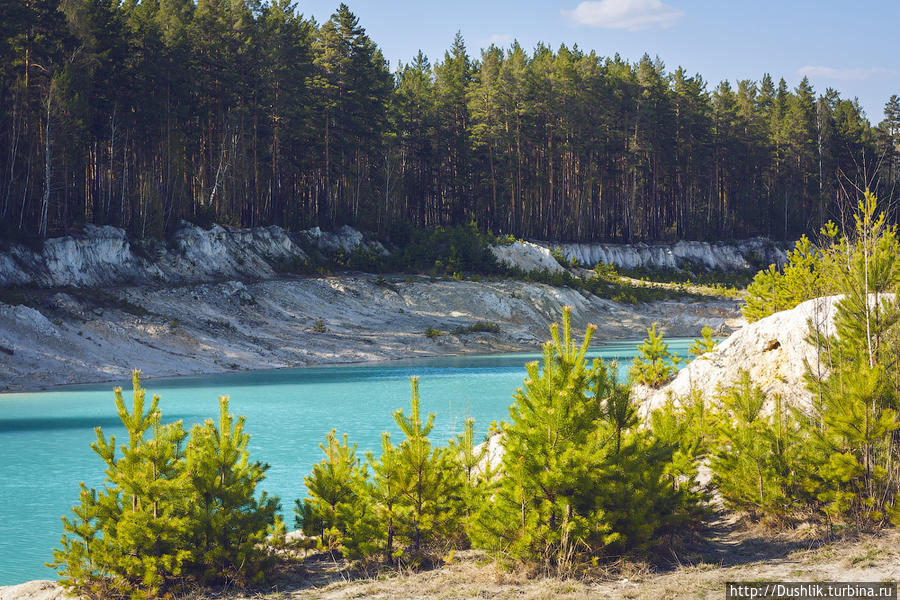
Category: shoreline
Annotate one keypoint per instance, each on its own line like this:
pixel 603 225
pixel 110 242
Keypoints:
pixel 72 337
pixel 5 392
pixel 146 378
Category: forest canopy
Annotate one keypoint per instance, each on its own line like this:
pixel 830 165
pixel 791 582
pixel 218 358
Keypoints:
pixel 141 113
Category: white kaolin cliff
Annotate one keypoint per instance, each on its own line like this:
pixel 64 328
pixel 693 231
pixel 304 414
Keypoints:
pixel 775 351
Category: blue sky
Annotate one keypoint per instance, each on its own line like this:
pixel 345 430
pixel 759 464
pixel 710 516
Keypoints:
pixel 852 46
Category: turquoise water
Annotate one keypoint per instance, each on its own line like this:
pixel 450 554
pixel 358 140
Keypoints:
pixel 45 436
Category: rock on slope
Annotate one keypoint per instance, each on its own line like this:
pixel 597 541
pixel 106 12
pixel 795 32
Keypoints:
pixel 527 256
pixel 102 256
pixel 39 589
pixel 727 256
pixel 773 350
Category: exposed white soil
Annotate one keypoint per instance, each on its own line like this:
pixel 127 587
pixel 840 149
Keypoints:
pixel 79 336
pixel 101 256
pixel 728 256
pixel 776 351
pixel 39 589
pixel 92 305
pixel 527 256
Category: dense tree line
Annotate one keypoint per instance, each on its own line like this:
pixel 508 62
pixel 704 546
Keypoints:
pixel 143 112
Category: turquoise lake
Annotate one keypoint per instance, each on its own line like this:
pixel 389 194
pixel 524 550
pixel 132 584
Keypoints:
pixel 45 436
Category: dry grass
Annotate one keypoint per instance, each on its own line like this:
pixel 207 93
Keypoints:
pixel 732 549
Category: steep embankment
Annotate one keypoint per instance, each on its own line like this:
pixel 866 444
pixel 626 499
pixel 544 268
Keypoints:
pixel 103 256
pixel 80 336
pixel 90 307
pixel 754 253
pixel 775 351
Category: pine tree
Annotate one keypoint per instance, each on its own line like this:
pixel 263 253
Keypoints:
pixel 705 343
pixel 428 509
pixel 578 479
pixel 166 517
pixel 808 273
pixel 475 473
pixel 654 365
pixel 248 113
pixel 338 509
pixel 386 493
pixel 685 425
pixel 141 514
pixel 765 295
pixel 856 483
pixel 856 399
pixel 758 461
pixel 230 523
pixel 544 506
pixel 78 560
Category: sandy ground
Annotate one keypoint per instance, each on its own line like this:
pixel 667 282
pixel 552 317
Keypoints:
pixel 730 551
pixel 53 337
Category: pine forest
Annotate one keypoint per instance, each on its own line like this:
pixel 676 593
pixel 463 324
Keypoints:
pixel 142 113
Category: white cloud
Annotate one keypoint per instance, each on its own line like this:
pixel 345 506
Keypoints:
pixel 857 74
pixel 498 39
pixel 624 14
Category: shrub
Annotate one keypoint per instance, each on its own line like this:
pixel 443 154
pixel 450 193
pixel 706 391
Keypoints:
pixel 411 508
pixel 687 426
pixel 427 511
pixel 164 518
pixel 131 538
pixel 579 479
pixel 449 250
pixel 228 520
pixel 810 272
pixel 431 333
pixel 855 419
pixel 476 475
pixel 607 272
pixel 758 460
pixel 705 343
pixel 654 365
pixel 364 259
pixel 386 494
pixel 478 327
pixel 337 507
pixel 840 456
